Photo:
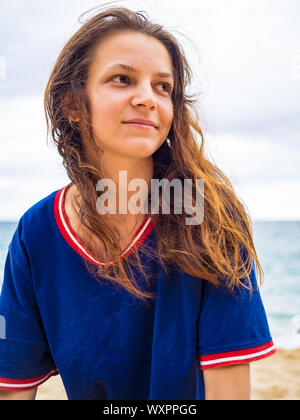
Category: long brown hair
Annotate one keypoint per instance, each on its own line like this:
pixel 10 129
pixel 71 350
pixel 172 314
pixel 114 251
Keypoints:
pixel 221 248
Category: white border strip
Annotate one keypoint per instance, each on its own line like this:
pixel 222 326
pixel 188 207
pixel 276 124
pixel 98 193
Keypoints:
pixel 138 236
pixel 230 359
pixel 68 230
pixel 26 385
pixel 79 245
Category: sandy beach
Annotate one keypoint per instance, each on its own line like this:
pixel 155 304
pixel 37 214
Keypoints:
pixel 274 378
pixel 277 377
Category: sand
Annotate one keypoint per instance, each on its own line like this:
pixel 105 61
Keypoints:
pixel 275 378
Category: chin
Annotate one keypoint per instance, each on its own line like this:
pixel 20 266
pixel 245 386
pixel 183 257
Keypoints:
pixel 140 153
pixel 140 149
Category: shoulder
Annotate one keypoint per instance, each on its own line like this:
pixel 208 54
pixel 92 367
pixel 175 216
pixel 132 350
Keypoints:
pixel 40 209
pixel 36 224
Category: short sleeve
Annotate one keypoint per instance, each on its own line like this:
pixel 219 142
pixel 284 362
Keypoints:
pixel 232 326
pixel 25 359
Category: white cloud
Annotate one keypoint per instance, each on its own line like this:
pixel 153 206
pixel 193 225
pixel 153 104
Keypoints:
pixel 265 175
pixel 261 160
pixel 23 139
pixel 29 169
pixel 275 201
pixel 243 57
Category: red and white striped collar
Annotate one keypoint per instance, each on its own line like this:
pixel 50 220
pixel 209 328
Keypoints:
pixel 72 239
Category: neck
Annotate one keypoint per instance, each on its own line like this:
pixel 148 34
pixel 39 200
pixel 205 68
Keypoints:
pixel 131 169
pixel 124 171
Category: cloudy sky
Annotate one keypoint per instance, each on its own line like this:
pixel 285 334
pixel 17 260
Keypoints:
pixel 245 56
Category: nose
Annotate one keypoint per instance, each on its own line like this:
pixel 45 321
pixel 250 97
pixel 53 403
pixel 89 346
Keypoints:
pixel 144 96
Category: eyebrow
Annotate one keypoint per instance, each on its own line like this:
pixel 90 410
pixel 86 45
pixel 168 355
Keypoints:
pixel 133 70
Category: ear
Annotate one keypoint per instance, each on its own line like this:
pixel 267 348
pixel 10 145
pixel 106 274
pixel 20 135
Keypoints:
pixel 70 110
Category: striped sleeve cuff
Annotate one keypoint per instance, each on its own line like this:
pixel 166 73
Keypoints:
pixel 237 357
pixel 7 384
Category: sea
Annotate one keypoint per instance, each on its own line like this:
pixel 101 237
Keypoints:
pixel 278 248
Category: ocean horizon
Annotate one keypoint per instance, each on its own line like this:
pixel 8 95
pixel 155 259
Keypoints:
pixel 278 248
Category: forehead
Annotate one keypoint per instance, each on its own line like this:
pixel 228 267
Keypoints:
pixel 134 49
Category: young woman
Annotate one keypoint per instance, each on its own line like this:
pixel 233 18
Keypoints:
pixel 130 305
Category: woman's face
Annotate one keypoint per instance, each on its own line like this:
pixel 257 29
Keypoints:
pixel 142 90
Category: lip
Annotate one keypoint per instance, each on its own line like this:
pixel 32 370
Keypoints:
pixel 140 126
pixel 138 122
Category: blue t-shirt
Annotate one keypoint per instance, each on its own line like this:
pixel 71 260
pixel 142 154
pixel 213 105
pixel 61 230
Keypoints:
pixel 104 342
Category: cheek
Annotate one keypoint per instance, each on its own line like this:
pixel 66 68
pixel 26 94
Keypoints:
pixel 105 107
pixel 168 115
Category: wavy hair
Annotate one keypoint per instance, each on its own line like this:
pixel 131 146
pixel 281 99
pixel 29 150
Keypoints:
pixel 220 249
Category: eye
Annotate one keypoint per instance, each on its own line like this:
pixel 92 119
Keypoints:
pixel 121 76
pixel 167 85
